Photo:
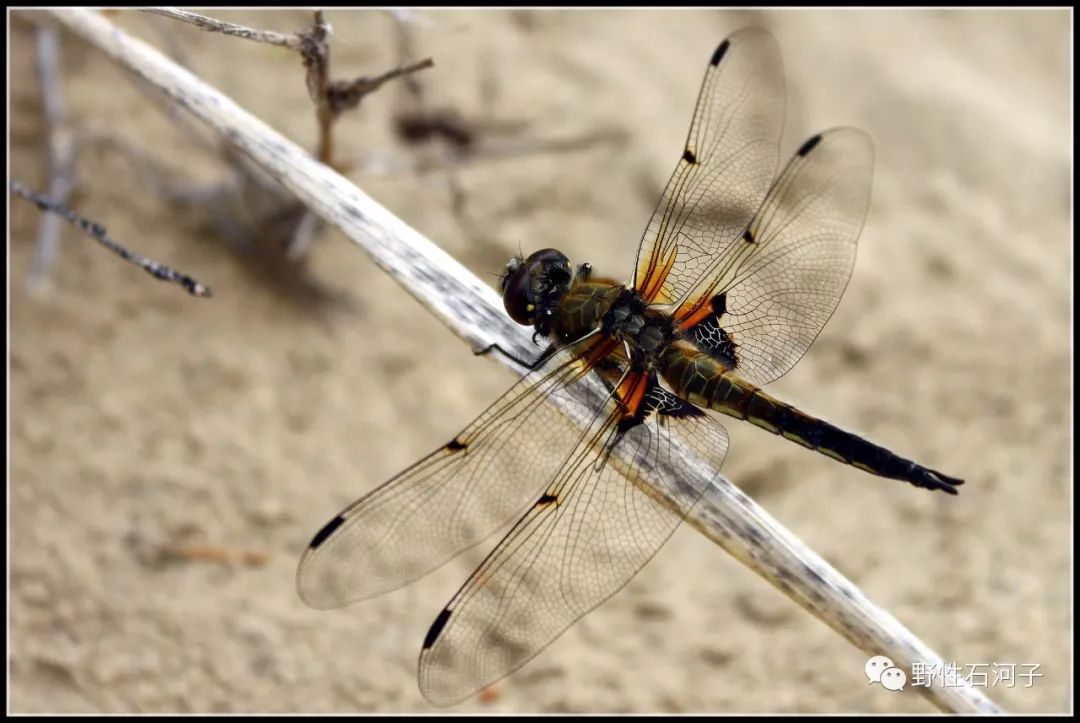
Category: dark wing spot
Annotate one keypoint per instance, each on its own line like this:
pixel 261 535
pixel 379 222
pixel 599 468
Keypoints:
pixel 546 500
pixel 748 237
pixel 326 531
pixel 455 445
pixel 436 628
pixel 719 54
pixel 810 145
pixel 719 305
pixel 689 157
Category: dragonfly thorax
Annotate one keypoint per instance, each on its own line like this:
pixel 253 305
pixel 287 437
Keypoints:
pixel 647 333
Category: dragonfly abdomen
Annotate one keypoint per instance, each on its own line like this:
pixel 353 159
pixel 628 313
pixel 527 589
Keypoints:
pixel 709 383
pixel 779 418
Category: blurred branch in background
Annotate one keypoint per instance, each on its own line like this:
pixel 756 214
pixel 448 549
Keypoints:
pixel 456 139
pixel 473 311
pixel 441 138
pixel 62 179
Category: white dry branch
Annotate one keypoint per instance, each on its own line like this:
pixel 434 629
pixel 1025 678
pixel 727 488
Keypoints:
pixel 473 311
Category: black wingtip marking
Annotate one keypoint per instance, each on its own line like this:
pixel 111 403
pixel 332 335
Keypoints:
pixel 436 628
pixel 326 531
pixel 719 54
pixel 455 445
pixel 689 157
pixel 810 145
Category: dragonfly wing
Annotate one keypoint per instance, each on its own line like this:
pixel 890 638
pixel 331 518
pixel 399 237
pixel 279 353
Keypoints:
pixel 454 497
pixel 578 543
pixel 730 158
pixel 767 297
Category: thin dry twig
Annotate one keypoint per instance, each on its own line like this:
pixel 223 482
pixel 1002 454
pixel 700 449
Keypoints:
pixel 214 25
pixel 473 311
pixel 97 232
pixel 157 548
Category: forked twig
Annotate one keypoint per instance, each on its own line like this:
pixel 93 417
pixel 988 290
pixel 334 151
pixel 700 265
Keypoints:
pixel 346 94
pixel 97 232
pixel 473 311
pixel 298 226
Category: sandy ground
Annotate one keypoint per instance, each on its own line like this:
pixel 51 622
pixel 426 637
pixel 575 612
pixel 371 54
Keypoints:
pixel 143 418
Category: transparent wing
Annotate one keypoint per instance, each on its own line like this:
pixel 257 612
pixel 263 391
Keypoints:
pixel 730 158
pixel 769 295
pixel 579 543
pixel 454 497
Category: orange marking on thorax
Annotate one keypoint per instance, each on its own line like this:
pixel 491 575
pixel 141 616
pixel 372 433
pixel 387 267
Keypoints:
pixel 631 391
pixel 598 352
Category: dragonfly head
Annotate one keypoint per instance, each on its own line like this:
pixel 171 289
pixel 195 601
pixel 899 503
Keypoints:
pixel 532 287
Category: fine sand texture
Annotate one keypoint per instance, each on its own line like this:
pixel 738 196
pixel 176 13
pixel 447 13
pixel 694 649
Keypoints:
pixel 171 457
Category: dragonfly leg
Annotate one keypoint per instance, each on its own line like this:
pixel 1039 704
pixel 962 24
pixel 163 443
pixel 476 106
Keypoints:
pixel 528 365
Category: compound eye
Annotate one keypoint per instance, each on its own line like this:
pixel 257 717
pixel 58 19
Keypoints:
pixel 551 261
pixel 517 295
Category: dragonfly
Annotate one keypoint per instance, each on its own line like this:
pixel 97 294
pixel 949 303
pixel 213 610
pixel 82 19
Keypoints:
pixel 736 274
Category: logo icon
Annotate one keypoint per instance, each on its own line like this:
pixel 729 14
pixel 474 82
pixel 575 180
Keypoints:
pixel 893 679
pixel 880 669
